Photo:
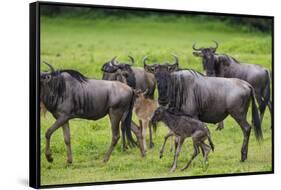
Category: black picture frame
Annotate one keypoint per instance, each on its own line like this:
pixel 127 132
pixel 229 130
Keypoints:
pixel 34 98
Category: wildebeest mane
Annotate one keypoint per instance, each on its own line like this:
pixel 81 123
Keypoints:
pixel 227 58
pixel 52 93
pixel 179 94
pixel 75 74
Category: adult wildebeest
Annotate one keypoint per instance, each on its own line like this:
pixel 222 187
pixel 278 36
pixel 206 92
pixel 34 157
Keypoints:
pixel 135 77
pixel 67 94
pixel 221 65
pixel 208 99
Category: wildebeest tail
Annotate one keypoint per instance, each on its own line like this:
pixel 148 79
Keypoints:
pixel 256 117
pixel 127 123
pixel 267 94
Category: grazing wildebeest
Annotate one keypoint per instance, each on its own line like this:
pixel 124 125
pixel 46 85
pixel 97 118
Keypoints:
pixel 135 77
pixel 144 109
pixel 209 99
pixel 221 65
pixel 184 126
pixel 67 94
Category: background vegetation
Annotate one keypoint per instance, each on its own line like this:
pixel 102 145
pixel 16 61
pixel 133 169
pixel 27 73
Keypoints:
pixel 84 40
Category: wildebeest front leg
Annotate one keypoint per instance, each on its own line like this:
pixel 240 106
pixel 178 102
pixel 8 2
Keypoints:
pixel 220 126
pixel 59 122
pixel 144 129
pixel 66 135
pixel 170 133
pixel 177 152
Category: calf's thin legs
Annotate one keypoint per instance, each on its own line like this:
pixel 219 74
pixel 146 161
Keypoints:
pixel 195 153
pixel 170 133
pixel 177 152
pixel 151 145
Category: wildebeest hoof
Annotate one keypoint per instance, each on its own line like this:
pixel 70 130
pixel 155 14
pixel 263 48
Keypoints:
pixel 49 158
pixel 69 161
pixel 173 169
pixel 161 155
pixel 243 158
pixel 151 145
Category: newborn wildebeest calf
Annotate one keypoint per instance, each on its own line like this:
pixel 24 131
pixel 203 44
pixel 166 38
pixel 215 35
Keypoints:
pixel 184 126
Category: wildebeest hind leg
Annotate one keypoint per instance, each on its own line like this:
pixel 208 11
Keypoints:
pixel 115 118
pixel 151 145
pixel 246 129
pixel 59 122
pixel 66 135
pixel 123 133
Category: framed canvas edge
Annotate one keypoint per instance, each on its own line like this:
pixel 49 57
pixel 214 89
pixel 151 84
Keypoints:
pixel 34 91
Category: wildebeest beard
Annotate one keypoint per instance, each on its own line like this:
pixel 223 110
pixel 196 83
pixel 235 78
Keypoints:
pixel 177 93
pixel 131 79
pixel 172 91
pixel 209 65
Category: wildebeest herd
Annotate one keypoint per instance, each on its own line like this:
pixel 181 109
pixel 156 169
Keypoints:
pixel 186 100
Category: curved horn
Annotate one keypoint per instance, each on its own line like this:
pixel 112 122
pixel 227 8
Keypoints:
pixel 144 60
pixel 113 61
pixel 50 66
pixel 132 60
pixel 196 49
pixel 176 59
pixel 217 44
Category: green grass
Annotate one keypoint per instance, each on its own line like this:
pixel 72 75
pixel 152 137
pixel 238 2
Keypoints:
pixel 85 45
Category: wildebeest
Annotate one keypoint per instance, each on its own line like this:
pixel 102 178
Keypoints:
pixel 184 126
pixel 135 77
pixel 144 109
pixel 209 99
pixel 221 65
pixel 67 94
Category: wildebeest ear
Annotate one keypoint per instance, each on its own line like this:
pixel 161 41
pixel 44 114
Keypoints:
pixel 213 50
pixel 150 69
pixel 145 93
pixel 137 92
pixel 198 54
pixel 173 68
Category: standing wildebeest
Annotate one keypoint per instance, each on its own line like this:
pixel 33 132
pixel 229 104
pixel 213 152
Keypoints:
pixel 184 126
pixel 221 65
pixel 67 94
pixel 208 99
pixel 135 77
pixel 144 109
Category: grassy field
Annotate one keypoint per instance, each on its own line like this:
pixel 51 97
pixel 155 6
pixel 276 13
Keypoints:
pixel 85 44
